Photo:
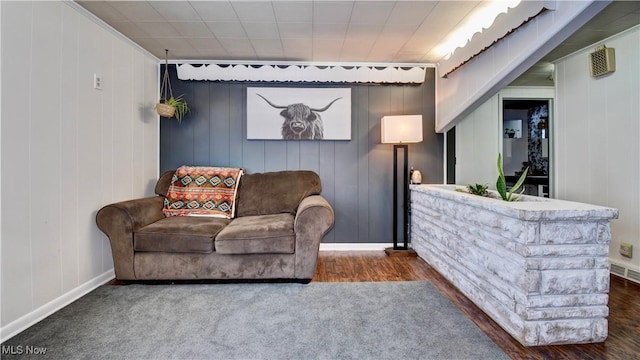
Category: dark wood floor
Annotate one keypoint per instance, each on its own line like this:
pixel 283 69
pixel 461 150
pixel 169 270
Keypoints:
pixel 624 305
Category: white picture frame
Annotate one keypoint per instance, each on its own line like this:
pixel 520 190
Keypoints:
pixel 298 113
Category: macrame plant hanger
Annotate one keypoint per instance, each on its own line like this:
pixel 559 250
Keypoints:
pixel 162 108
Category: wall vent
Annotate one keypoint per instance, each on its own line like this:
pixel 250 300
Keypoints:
pixel 602 61
pixel 633 275
pixel 618 270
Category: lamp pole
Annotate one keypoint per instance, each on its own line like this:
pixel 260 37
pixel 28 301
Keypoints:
pixel 401 250
pixel 401 130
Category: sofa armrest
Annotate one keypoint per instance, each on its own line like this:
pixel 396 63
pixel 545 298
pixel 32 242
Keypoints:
pixel 119 221
pixel 314 218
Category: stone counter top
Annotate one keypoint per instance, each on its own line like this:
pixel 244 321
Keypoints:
pixel 527 208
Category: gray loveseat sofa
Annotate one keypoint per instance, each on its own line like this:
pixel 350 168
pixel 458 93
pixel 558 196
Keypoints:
pixel 280 221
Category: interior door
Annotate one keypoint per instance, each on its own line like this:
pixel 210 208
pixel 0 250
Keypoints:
pixel 525 143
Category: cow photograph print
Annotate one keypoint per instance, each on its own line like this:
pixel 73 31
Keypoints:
pixel 289 113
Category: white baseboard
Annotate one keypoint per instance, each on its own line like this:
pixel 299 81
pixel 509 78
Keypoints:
pixel 354 246
pixel 15 327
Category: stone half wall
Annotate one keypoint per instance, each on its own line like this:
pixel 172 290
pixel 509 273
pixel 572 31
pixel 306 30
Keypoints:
pixel 539 267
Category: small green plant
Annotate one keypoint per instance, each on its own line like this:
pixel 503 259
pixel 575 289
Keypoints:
pixel 478 189
pixel 501 184
pixel 182 108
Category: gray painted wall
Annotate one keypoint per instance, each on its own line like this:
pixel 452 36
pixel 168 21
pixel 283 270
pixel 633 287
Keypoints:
pixel 357 175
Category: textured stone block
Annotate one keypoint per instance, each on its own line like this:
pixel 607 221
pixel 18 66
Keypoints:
pixel 604 232
pixel 562 263
pixel 572 232
pixel 554 313
pixel 570 332
pixel 538 267
pixel 565 300
pixel 603 278
pixel 568 282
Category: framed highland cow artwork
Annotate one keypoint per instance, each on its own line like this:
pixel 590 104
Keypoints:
pixel 289 113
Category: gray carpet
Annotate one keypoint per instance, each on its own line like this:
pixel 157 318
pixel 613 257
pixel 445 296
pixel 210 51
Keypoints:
pixel 385 320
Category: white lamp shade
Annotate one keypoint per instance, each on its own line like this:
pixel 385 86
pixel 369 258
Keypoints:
pixel 402 129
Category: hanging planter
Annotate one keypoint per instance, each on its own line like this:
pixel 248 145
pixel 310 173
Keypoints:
pixel 165 110
pixel 170 106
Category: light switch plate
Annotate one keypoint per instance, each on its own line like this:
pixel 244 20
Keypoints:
pixel 97 82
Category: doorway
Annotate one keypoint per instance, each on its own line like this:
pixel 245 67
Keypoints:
pixel 525 145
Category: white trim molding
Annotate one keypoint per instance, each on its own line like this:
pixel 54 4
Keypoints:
pixel 17 326
pixel 304 72
pixel 354 246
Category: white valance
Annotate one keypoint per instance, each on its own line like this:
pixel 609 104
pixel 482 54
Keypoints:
pixel 504 25
pixel 403 74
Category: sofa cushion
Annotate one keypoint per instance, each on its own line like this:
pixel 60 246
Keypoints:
pixel 202 191
pixel 275 192
pixel 260 234
pixel 162 186
pixel 179 234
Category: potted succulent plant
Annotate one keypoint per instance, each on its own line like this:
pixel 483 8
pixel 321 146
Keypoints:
pixel 170 106
pixel 173 107
pixel 501 183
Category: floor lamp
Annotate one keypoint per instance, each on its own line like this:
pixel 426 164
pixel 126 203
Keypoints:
pixel 401 130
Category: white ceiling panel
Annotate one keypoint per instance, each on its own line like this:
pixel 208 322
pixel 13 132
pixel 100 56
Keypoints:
pixel 175 10
pixel 297 45
pixel 129 29
pixel 308 30
pixel 231 30
pixel 297 48
pixel 215 10
pixel 324 50
pixel 237 45
pixel 364 31
pixel 137 11
pixel 371 12
pixel 329 31
pixel 148 43
pixel 254 11
pixel 158 29
pixel 207 54
pixel 411 12
pixel 192 29
pixel 295 30
pixel 106 11
pixel 448 14
pixel 242 53
pixel 398 31
pixel 332 12
pixel 178 53
pixel 262 46
pixel 298 55
pixel 205 43
pixel 408 57
pixel 357 48
pixel 293 11
pixel 261 30
pixel 378 54
pixel 177 44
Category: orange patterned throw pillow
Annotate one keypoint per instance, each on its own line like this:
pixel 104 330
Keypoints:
pixel 202 191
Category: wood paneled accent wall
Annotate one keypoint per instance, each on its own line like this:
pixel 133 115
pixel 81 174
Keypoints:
pixel 357 175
